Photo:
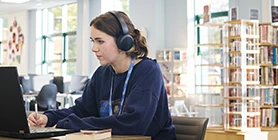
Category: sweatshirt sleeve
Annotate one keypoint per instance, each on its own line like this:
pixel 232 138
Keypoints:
pixel 139 109
pixel 80 108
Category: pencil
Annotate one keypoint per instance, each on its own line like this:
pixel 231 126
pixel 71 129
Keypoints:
pixel 36 111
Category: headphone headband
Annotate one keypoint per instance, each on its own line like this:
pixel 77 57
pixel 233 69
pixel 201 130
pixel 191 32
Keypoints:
pixel 121 21
pixel 124 41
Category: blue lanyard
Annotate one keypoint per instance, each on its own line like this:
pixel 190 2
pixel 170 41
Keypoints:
pixel 124 89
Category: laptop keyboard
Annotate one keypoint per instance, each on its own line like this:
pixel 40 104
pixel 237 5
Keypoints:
pixel 42 129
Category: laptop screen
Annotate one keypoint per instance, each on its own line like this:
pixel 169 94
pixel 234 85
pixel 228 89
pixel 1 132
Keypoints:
pixel 13 116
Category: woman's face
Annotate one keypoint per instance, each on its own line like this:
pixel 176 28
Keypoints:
pixel 104 46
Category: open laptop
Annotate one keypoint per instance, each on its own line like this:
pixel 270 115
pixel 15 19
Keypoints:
pixel 13 118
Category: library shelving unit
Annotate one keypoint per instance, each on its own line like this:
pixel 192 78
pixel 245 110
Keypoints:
pixel 173 64
pixel 268 75
pixel 241 76
pixel 209 74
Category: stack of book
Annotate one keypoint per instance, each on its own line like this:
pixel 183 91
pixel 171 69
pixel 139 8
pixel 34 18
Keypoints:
pixel 90 135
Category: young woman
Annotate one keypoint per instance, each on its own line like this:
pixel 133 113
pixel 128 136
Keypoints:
pixel 126 93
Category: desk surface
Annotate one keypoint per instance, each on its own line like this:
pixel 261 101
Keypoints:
pixel 114 137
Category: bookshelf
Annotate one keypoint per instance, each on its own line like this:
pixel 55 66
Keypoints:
pixel 241 76
pixel 173 64
pixel 209 73
pixel 268 75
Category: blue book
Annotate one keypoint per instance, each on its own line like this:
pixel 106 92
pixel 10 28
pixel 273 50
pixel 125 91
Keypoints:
pixel 274 58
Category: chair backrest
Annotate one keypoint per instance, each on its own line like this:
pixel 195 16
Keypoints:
pixel 190 128
pixel 47 96
pixel 25 81
pixel 59 82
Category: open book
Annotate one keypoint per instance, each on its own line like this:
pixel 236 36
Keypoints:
pixel 90 135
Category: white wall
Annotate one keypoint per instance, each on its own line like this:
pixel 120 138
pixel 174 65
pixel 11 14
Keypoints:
pixel 245 6
pixel 264 7
pixel 95 10
pixel 266 10
pixel 164 20
pixel 31 57
pixel 150 14
pixel 23 52
pixel 175 23
pixel 82 35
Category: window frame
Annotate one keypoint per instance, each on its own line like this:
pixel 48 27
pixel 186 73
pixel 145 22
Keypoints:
pixel 197 20
pixel 45 64
pixel 1 53
pixel 1 39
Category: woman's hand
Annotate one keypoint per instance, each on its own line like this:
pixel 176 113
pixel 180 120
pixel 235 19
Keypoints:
pixel 35 119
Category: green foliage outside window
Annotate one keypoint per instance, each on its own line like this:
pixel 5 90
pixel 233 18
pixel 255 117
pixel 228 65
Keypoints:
pixel 125 5
pixel 72 17
pixel 65 51
pixel 57 13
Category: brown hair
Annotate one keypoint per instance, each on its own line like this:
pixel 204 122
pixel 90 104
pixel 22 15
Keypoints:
pixel 108 24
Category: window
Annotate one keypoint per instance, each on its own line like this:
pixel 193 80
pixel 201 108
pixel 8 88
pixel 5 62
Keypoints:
pixel 219 14
pixel 215 6
pixel 1 39
pixel 56 40
pixel 121 5
pixel 208 68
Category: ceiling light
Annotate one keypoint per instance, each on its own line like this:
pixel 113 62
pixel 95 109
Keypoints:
pixel 15 1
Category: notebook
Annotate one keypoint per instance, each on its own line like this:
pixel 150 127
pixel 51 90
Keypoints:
pixel 13 118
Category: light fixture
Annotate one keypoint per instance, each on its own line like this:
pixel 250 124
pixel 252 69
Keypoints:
pixel 15 1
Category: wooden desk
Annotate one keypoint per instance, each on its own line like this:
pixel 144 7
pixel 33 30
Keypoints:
pixel 222 135
pixel 272 134
pixel 269 134
pixel 114 137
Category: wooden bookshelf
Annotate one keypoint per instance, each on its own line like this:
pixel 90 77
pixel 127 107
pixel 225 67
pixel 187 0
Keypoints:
pixel 173 64
pixel 210 106
pixel 209 25
pixel 210 45
pixel 212 65
pixel 266 82
pixel 208 74
pixel 268 73
pixel 241 70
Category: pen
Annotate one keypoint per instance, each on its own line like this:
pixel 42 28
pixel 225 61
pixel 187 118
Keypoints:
pixel 36 111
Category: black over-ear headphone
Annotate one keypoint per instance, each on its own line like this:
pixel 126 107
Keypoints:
pixel 124 41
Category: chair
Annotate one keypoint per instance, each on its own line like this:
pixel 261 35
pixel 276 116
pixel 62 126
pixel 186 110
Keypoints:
pixel 59 82
pixel 25 82
pixel 190 128
pixel 46 98
pixel 76 87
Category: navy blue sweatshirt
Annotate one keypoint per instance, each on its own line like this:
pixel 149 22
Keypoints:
pixel 145 110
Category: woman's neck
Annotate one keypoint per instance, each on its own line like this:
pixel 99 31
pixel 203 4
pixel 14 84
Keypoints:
pixel 122 64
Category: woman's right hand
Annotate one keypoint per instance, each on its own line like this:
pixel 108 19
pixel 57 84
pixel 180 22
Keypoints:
pixel 35 119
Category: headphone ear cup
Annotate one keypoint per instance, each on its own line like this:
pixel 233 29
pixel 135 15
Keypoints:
pixel 125 42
